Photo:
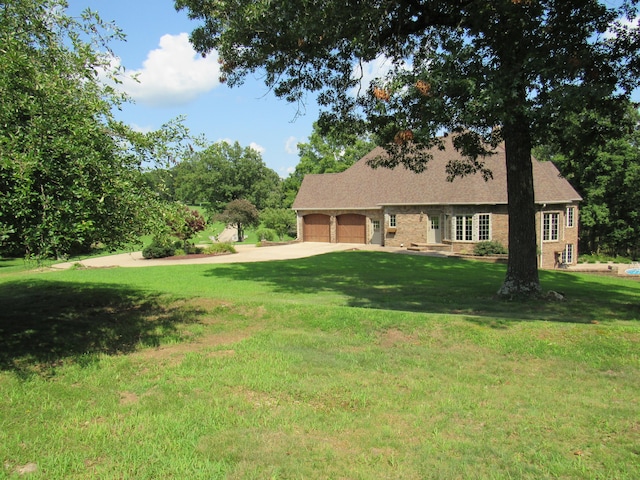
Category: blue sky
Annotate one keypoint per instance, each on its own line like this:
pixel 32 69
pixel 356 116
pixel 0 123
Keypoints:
pixel 174 81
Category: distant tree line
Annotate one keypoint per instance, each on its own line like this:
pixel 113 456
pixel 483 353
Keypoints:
pixel 600 156
pixel 224 172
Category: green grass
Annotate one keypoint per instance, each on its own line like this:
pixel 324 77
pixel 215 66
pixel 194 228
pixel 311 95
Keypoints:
pixel 351 365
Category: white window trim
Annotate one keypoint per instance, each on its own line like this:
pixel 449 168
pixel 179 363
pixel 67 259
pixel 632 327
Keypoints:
pixel 558 226
pixel 570 214
pixel 568 253
pixel 475 226
pixel 393 221
pixel 477 229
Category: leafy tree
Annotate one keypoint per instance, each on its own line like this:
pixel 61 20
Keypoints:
pixel 222 173
pixel 331 152
pixel 240 213
pixel 69 174
pixel 160 181
pixel 600 155
pixel 185 223
pixel 489 72
pixel 280 220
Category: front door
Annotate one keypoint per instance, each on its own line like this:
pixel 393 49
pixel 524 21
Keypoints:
pixel 434 235
pixel 376 237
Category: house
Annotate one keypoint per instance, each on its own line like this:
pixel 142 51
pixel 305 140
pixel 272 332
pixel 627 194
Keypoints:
pixel 397 207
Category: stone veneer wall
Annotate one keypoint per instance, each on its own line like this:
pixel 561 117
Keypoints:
pixel 566 235
pixel 412 224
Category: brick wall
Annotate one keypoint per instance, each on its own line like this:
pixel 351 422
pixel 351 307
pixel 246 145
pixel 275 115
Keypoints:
pixel 550 251
pixel 413 224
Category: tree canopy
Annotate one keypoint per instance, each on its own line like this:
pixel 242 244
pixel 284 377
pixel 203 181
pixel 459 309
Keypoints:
pixel 69 173
pixel 600 155
pixel 488 72
pixel 224 172
pixel 325 152
pixel 240 213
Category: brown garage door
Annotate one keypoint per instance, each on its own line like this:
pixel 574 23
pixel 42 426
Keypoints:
pixel 316 228
pixel 351 228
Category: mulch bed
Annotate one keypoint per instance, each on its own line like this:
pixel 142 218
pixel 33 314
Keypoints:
pixel 193 256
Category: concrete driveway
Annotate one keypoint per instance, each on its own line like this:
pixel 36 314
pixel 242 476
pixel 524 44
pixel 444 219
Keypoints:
pixel 246 253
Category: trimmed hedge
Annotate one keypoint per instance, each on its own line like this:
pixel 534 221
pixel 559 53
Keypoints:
pixel 484 249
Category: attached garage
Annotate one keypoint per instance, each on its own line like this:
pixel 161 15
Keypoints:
pixel 317 228
pixel 351 228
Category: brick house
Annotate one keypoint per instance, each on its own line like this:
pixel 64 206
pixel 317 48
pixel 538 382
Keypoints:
pixel 397 207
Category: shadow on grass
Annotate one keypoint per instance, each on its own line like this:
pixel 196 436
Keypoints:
pixel 439 285
pixel 46 323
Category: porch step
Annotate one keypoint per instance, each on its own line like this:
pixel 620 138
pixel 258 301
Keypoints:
pixel 429 247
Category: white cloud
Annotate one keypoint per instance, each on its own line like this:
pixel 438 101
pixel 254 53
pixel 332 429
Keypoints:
pixel 172 74
pixel 284 172
pixel 291 146
pixel 258 148
pixel 137 128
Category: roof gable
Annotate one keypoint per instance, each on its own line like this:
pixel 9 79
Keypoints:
pixel 363 187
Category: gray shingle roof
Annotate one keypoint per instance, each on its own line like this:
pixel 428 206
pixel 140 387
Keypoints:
pixel 362 187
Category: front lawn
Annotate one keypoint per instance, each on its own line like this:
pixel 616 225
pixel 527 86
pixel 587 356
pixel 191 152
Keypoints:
pixel 354 365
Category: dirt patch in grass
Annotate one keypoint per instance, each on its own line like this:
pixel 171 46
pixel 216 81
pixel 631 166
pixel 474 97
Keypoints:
pixel 175 353
pixel 128 398
pixel 395 337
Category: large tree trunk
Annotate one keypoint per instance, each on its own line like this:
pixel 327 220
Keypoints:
pixel 522 268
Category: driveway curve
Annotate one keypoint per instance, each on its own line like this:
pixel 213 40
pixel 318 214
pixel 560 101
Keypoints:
pixel 246 253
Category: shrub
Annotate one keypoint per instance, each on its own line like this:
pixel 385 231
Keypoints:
pixel 483 249
pixel 219 248
pixel 158 249
pixel 185 223
pixel 280 220
pixel 267 234
pixel 601 258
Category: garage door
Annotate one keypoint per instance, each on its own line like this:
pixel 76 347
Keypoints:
pixel 316 228
pixel 351 228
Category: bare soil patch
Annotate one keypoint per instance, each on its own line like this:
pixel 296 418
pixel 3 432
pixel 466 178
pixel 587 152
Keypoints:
pixel 394 337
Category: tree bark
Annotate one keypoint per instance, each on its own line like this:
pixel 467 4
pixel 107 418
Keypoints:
pixel 522 268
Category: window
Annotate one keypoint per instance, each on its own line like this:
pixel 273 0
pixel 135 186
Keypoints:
pixel 464 228
pixel 570 216
pixel 376 225
pixel 435 223
pixel 392 220
pixel 469 228
pixel 550 227
pixel 484 230
pixel 567 255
